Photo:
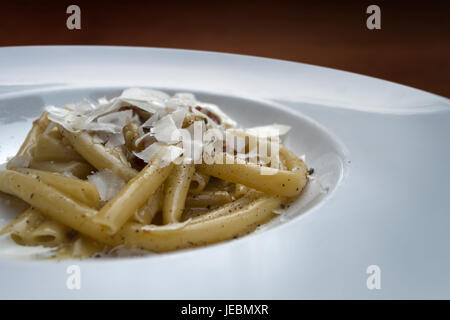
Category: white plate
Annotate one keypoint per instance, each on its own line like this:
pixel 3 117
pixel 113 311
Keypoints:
pixel 379 149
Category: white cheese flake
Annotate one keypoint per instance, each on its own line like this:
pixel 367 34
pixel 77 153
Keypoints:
pixel 150 152
pixel 274 130
pixel 166 130
pixel 107 183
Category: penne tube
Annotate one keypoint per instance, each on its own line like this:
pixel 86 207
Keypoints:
pixel 31 228
pixel 240 190
pixel 119 210
pixel 292 162
pixel 50 234
pixel 231 206
pixel 53 132
pixel 200 231
pixel 148 211
pixel 21 227
pixel 146 199
pixel 73 168
pixel 53 204
pixel 198 182
pixel 77 189
pixel 216 184
pixel 175 192
pixel 279 182
pixel 282 164
pixel 190 213
pixel 206 213
pixel 208 199
pixel 131 134
pixel 49 148
pixel 98 156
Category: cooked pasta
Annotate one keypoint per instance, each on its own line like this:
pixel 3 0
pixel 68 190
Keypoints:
pixel 198 182
pixel 176 190
pixel 149 210
pixel 146 170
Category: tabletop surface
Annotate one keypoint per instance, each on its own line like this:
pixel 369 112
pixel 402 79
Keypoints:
pixel 412 47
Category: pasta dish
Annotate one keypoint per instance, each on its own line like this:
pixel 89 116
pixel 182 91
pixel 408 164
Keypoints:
pixel 149 171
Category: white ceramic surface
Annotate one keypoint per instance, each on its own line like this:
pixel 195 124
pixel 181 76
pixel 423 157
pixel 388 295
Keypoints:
pixel 380 151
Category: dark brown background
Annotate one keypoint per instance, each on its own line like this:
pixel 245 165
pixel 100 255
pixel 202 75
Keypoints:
pixel 412 47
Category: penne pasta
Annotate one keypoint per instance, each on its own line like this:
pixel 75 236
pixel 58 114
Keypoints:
pixel 240 190
pixel 73 168
pixel 50 234
pixel 53 204
pixel 176 190
pixel 149 210
pixel 119 210
pixel 200 231
pixel 190 213
pixel 204 214
pixel 216 184
pixel 198 182
pixel 31 228
pixel 98 156
pixel 281 182
pixel 49 148
pixel 292 162
pixel 131 134
pixel 102 176
pixel 21 227
pixel 208 199
pixel 77 189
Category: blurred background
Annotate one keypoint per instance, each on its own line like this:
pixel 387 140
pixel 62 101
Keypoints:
pixel 411 48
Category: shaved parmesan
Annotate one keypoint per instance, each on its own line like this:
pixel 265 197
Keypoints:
pixel 166 130
pixel 112 122
pixel 164 127
pixel 106 127
pixel 83 107
pixel 107 183
pixel 146 99
pixel 144 137
pixel 102 100
pixel 68 119
pixel 151 121
pixel 182 100
pixel 142 94
pixel 115 140
pixel 120 118
pixel 171 155
pixel 150 152
pixel 274 130
pixel 178 117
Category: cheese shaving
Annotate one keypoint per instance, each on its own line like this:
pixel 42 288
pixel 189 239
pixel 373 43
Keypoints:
pixel 107 183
